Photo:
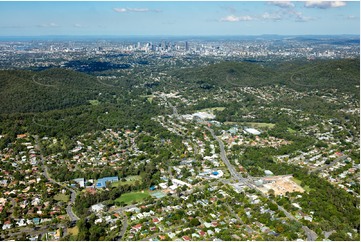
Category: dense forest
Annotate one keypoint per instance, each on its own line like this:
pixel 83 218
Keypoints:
pixel 301 75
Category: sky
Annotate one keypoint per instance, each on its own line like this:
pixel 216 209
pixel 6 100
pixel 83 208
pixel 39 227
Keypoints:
pixel 167 18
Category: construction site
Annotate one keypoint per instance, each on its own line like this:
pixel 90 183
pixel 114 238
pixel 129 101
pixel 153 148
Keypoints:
pixel 279 184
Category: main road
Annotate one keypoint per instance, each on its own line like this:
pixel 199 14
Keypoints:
pixel 232 170
pixel 311 235
pixel 42 229
pixel 223 155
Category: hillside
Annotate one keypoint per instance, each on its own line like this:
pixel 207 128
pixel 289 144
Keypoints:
pixel 26 91
pixel 53 89
pixel 339 74
pixel 227 74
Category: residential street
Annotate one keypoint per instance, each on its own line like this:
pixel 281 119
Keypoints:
pixel 69 209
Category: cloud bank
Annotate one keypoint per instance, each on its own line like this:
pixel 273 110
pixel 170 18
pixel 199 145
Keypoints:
pixel 324 4
pixel 282 4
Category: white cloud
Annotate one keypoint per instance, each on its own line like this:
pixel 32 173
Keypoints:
pixel 138 10
pixel 49 25
pixel 271 16
pixel 284 14
pixel 324 4
pixel 120 10
pixel 283 4
pixel 135 10
pixel 232 18
pixel 79 26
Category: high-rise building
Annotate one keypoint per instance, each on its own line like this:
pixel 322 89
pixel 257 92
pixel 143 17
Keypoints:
pixel 153 47
pixel 187 46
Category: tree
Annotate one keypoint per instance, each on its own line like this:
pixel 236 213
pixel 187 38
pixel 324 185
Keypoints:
pixel 271 193
pixel 194 222
pixel 273 206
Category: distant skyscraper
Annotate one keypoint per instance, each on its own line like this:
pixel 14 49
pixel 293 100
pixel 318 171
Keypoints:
pixel 187 46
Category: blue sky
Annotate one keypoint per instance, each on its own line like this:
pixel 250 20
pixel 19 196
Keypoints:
pixel 179 18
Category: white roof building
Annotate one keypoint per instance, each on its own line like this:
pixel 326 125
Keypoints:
pixel 252 131
pixel 97 207
pixel 181 183
pixel 80 181
pixel 204 115
pixel 163 185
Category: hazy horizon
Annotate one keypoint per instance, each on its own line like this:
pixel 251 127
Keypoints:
pixel 170 18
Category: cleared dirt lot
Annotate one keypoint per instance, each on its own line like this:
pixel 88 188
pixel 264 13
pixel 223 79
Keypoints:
pixel 280 184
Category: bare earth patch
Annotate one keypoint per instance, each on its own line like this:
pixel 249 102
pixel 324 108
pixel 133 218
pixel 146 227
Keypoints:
pixel 280 185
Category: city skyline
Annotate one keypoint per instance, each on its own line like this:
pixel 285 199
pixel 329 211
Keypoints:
pixel 179 18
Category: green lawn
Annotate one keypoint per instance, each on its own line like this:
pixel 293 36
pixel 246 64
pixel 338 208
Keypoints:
pixel 128 198
pixel 252 124
pixel 260 125
pixel 61 197
pixel 230 123
pixel 149 97
pixel 292 131
pixel 94 102
pixel 212 109
pixel 130 180
pixel 307 188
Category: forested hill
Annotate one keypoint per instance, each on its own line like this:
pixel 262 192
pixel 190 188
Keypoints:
pixel 53 89
pixel 25 91
pixel 317 74
pixel 227 74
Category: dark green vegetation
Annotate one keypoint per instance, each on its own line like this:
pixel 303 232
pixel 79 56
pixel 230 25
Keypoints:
pixel 227 74
pixel 55 102
pixel 301 75
pixel 26 91
pixel 52 89
pixel 94 66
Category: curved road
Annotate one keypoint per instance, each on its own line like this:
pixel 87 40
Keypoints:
pixel 69 209
pixel 124 221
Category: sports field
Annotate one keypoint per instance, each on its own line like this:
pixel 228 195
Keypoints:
pixel 128 198
pixel 130 180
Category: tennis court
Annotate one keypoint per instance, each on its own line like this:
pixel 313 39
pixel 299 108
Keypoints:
pixel 158 194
